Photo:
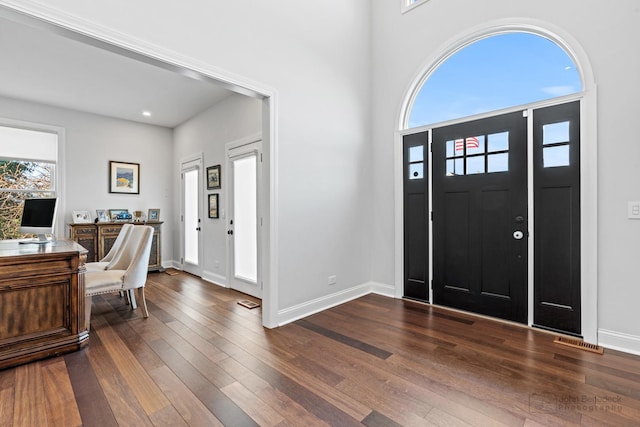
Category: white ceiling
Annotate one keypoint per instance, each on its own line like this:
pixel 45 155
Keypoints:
pixel 40 66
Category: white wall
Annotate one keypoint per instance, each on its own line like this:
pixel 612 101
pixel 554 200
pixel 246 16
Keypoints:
pixel 316 55
pixel 329 62
pixel 93 140
pixel 609 34
pixel 235 117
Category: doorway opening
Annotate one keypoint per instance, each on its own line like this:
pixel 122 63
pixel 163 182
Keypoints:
pixel 498 212
pixel 436 244
pixel 94 36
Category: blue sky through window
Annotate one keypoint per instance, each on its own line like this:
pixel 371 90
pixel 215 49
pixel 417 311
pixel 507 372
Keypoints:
pixel 497 72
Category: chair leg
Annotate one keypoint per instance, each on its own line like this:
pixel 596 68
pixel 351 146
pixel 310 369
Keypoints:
pixel 143 302
pixel 132 298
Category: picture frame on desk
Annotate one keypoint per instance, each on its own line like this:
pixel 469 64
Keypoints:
pixel 82 217
pixel 154 215
pixel 102 215
pixel 120 215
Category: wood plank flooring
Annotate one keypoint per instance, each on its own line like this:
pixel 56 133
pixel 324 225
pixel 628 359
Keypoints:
pixel 201 359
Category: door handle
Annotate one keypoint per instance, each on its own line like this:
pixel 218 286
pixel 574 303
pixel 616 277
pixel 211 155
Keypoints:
pixel 230 232
pixel 197 228
pixel 518 234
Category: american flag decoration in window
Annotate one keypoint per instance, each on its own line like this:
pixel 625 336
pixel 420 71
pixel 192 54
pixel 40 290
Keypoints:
pixel 472 142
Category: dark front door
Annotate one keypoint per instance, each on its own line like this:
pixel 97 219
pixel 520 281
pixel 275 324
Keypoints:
pixel 416 216
pixel 480 216
pixel 556 172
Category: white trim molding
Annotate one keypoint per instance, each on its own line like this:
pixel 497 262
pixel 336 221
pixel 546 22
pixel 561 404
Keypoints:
pixel 326 302
pixel 407 5
pixel 619 341
pixel 216 279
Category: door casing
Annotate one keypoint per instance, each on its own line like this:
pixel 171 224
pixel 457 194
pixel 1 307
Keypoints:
pixel 234 150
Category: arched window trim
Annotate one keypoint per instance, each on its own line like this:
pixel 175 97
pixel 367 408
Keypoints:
pixel 453 46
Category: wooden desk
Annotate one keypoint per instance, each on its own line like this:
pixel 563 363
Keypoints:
pixel 42 300
pixel 98 238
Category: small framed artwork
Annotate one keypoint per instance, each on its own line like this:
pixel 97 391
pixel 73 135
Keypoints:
pixel 119 214
pixel 103 216
pixel 213 206
pixel 124 177
pixel 213 177
pixel 154 215
pixel 82 217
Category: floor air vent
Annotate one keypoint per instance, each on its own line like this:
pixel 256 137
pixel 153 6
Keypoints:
pixel 248 304
pixel 570 342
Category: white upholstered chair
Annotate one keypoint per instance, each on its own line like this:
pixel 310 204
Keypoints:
pixel 127 271
pixel 105 262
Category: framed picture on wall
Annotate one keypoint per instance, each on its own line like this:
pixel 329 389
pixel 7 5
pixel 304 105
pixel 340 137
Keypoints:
pixel 213 206
pixel 124 177
pixel 213 177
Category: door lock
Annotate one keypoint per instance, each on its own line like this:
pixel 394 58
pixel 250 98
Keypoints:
pixel 518 235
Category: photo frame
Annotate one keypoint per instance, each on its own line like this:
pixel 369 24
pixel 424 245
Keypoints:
pixel 213 206
pixel 102 215
pixel 154 215
pixel 119 214
pixel 213 178
pixel 82 217
pixel 124 177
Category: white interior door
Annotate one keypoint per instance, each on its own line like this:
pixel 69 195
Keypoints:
pixel 243 219
pixel 190 216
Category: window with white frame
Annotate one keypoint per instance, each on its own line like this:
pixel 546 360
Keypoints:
pixel 28 161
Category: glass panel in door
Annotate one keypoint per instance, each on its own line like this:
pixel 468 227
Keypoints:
pixel 191 179
pixel 245 246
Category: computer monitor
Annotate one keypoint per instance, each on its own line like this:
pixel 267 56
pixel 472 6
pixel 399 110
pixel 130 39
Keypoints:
pixel 39 217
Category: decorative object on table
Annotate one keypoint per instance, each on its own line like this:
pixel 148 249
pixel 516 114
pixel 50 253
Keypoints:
pixel 124 177
pixel 82 217
pixel 213 206
pixel 154 215
pixel 139 216
pixel 120 215
pixel 213 177
pixel 103 216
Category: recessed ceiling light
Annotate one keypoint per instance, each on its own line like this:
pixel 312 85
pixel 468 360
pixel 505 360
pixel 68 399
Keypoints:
pixel 146 113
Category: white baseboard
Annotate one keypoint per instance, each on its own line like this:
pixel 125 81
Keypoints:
pixel 214 278
pixel 619 341
pixel 317 305
pixel 171 264
pixel 382 289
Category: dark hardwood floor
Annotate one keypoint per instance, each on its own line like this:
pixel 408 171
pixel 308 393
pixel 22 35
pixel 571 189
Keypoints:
pixel 201 359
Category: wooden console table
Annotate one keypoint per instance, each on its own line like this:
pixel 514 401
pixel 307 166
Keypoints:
pixel 98 239
pixel 42 303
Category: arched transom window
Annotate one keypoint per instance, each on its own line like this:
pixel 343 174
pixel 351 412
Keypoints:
pixel 493 73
